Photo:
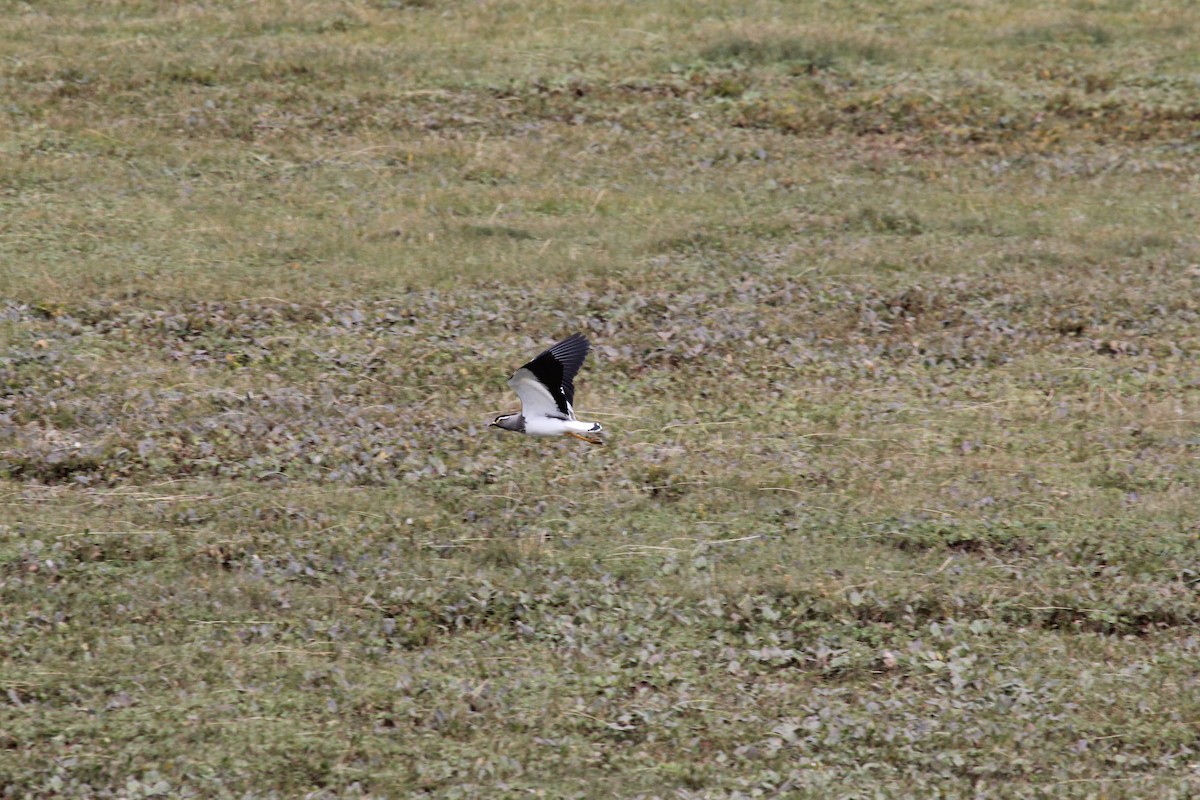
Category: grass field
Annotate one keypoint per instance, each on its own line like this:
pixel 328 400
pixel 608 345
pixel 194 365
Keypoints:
pixel 897 320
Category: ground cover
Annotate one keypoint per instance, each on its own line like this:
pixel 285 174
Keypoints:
pixel 896 330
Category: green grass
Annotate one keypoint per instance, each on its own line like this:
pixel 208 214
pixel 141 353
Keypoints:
pixel 896 325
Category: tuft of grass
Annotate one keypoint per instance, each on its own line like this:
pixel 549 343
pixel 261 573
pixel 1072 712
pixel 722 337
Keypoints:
pixel 1062 34
pixel 814 53
pixel 500 231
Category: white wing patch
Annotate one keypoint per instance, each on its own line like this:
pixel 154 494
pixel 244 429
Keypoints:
pixel 536 400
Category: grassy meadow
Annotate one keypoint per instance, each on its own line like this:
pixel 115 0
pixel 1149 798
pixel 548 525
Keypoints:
pixel 896 309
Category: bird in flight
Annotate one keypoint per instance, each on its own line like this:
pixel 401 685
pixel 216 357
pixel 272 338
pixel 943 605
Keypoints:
pixel 546 391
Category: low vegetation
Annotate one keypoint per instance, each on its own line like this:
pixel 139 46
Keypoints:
pixel 896 326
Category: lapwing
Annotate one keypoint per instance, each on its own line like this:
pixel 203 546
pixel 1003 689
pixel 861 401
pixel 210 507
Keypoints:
pixel 546 391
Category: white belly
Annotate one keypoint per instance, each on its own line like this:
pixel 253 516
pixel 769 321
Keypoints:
pixel 549 426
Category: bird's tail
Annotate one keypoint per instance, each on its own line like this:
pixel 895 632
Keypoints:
pixel 591 432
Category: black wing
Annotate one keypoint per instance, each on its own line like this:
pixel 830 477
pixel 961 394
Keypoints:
pixel 557 366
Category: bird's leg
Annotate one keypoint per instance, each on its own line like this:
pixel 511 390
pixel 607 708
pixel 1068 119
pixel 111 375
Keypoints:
pixel 584 438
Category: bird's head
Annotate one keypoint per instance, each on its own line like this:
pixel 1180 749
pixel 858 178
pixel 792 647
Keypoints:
pixel 509 422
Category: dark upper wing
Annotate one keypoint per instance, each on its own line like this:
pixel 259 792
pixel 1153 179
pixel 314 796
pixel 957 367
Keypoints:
pixel 556 369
